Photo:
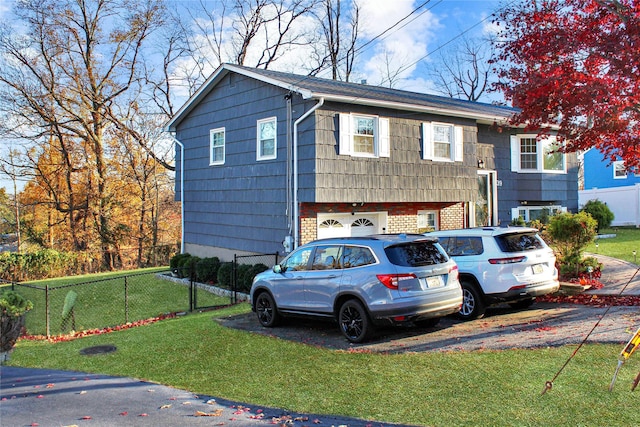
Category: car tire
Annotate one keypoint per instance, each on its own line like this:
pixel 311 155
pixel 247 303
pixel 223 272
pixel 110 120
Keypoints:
pixel 266 310
pixel 427 323
pixel 523 303
pixel 354 321
pixel 473 307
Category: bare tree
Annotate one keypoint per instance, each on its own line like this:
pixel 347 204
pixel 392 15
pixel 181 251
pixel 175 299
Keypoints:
pixel 464 71
pixel 58 87
pixel 339 45
pixel 9 166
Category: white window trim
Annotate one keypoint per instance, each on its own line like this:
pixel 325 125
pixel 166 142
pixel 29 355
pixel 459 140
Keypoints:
pixel 224 146
pixel 619 163
pixel 515 212
pixel 260 157
pixel 457 145
pixel 380 136
pixel 425 213
pixel 515 155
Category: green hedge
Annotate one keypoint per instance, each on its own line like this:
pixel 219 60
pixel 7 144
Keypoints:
pixel 212 270
pixel 43 264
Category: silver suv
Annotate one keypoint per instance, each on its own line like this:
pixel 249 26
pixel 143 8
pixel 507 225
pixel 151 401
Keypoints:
pixel 496 265
pixel 361 282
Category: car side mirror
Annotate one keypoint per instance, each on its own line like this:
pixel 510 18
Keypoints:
pixel 277 269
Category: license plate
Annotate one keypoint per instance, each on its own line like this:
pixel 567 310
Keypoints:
pixel 434 282
pixel 538 269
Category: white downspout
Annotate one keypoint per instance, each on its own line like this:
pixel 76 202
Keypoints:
pixel 296 209
pixel 173 135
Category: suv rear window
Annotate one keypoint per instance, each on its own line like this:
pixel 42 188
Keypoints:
pixel 519 242
pixel 461 246
pixel 415 254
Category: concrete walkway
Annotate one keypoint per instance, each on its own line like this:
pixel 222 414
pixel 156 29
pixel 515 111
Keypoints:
pixel 620 278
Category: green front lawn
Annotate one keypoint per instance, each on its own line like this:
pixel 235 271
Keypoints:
pixel 107 299
pixel 436 389
pixel 622 246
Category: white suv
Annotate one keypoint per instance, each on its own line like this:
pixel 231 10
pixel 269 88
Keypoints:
pixel 512 265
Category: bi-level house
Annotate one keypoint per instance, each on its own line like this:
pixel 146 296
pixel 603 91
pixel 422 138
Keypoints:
pixel 267 161
pixel 610 182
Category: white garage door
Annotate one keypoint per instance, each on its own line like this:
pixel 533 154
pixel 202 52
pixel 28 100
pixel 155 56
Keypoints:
pixel 346 225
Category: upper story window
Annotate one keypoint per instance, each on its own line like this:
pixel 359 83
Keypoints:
pixel 619 170
pixel 267 142
pixel 532 154
pixel 216 146
pixel 442 142
pixel 364 136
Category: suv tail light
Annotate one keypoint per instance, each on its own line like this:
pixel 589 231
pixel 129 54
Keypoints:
pixel 391 281
pixel 511 260
pixel 453 272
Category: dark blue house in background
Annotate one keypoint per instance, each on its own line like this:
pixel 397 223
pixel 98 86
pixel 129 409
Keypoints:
pixel 267 161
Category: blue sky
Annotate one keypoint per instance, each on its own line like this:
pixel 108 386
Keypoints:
pixel 411 46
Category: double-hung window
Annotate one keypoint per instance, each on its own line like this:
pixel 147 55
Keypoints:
pixel 532 154
pixel 267 139
pixel 363 135
pixel 619 170
pixel 427 221
pixel 216 146
pixel 442 142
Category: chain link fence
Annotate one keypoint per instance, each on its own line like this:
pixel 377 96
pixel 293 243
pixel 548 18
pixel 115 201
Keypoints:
pixel 65 306
pixel 60 309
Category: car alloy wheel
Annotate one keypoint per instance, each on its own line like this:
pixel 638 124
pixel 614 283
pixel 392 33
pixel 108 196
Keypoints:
pixel 266 310
pixel 354 322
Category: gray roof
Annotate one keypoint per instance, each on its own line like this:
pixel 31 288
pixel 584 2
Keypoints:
pixel 352 93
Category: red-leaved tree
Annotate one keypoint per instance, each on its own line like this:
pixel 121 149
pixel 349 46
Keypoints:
pixel 575 64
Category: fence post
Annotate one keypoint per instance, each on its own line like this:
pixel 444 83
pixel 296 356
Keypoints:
pixel 192 293
pixel 126 300
pixel 46 310
pixel 234 280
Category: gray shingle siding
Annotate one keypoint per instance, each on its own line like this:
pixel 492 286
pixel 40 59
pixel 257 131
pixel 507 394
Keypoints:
pixel 535 188
pixel 240 204
pixel 402 177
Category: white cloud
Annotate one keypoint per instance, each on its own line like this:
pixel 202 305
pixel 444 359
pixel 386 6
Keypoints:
pixel 397 52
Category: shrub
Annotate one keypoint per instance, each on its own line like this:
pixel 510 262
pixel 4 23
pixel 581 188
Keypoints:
pixel 225 275
pixel 181 262
pixel 569 234
pixel 175 260
pixel 243 280
pixel 600 212
pixel 12 309
pixel 189 266
pixel 518 222
pixel 255 270
pixel 207 269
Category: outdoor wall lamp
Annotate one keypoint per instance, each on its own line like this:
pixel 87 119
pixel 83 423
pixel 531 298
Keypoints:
pixel 480 164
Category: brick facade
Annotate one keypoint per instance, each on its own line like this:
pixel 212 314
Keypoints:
pixel 402 217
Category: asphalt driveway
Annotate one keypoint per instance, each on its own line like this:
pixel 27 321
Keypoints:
pixel 542 325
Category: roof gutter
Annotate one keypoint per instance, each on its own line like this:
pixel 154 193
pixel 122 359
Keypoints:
pixel 175 140
pixel 296 209
pixel 486 117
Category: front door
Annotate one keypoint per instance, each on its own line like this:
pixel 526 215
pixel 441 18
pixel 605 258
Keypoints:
pixel 486 203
